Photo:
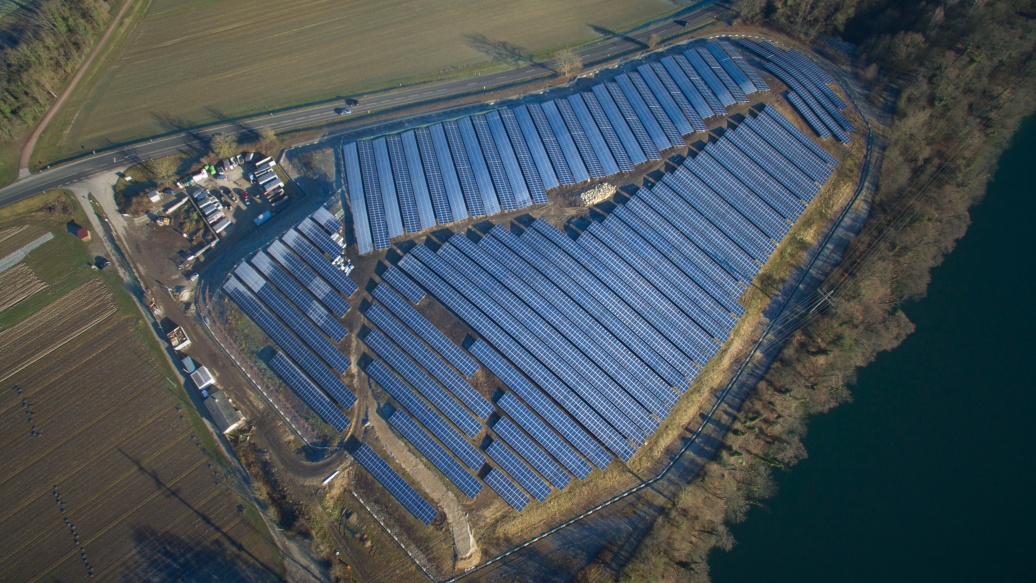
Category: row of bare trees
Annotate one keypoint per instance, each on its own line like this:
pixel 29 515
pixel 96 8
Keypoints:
pixel 53 40
pixel 964 81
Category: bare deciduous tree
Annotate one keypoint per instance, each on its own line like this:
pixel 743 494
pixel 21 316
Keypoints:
pixel 223 145
pixel 567 62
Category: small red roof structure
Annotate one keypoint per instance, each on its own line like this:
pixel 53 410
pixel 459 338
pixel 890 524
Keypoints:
pixel 83 234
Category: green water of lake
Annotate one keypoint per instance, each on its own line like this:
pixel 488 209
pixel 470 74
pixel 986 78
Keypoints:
pixel 929 474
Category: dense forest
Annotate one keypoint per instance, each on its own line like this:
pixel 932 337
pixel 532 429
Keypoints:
pixel 36 60
pixel 960 74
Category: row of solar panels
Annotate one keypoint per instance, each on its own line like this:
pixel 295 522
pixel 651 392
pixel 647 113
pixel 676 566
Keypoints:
pixel 507 159
pixel 295 294
pixel 595 338
pixel 811 94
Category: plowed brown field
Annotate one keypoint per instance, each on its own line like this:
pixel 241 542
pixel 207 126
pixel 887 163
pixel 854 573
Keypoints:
pixel 105 473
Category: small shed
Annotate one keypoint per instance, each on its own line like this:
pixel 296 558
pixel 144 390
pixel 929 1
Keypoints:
pixel 154 196
pixel 202 378
pixel 225 416
pixel 83 233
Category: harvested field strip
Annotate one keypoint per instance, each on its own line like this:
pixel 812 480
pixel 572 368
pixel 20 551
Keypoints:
pixel 57 409
pixel 35 380
pixel 91 528
pixel 63 265
pixel 99 436
pixel 17 239
pixel 9 232
pixel 105 470
pixel 22 566
pixel 16 284
pixel 62 321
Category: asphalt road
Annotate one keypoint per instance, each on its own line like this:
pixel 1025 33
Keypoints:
pixel 196 138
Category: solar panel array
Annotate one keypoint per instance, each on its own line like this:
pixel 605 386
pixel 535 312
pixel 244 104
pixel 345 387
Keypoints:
pixel 435 453
pixel 397 486
pixel 308 392
pixel 594 338
pixel 810 89
pixel 507 159
pixel 316 370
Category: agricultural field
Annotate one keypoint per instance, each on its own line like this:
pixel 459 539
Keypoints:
pixel 186 63
pixel 108 470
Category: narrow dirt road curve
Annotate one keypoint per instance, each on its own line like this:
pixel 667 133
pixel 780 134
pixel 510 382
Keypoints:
pixel 30 144
pixel 463 542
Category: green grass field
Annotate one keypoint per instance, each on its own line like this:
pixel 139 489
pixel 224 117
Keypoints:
pixel 188 62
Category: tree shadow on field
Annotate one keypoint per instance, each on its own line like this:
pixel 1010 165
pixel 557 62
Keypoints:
pixel 500 51
pixel 161 556
pixel 608 33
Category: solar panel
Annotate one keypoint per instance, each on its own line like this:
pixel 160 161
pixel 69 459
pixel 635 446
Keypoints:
pixel 435 453
pixel 770 190
pixel 699 84
pixel 495 164
pixel 509 158
pixel 659 137
pixel 532 453
pixel 357 198
pixel 508 248
pixel 322 265
pixel 404 189
pixel 430 361
pixel 532 113
pixel 689 90
pixel 520 356
pixel 580 139
pixel 507 490
pixel 309 393
pixel 449 145
pixel 316 286
pixel 486 187
pixel 545 436
pixel 415 167
pixel 683 291
pixel 546 408
pixel 388 188
pixel 423 328
pixel 397 486
pixel 707 75
pixel 619 289
pixel 721 74
pixel 747 69
pixel 300 298
pixel 571 365
pixel 808 114
pixel 433 422
pixel 403 284
pixel 623 162
pixel 326 220
pixel 517 469
pixel 532 140
pixel 637 145
pixel 738 195
pixel 678 97
pixel 423 383
pixel 319 237
pixel 293 319
pixel 471 180
pixel 669 110
pixel 774 162
pixel 564 138
pixel 565 265
pixel 732 69
pixel 579 345
pixel 783 141
pixel 372 192
pixel 288 342
pixel 440 175
pixel 593 134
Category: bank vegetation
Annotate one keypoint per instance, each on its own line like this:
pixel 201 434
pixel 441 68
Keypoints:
pixel 960 75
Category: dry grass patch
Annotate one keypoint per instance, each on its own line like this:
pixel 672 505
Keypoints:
pixel 182 64
pixel 16 284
